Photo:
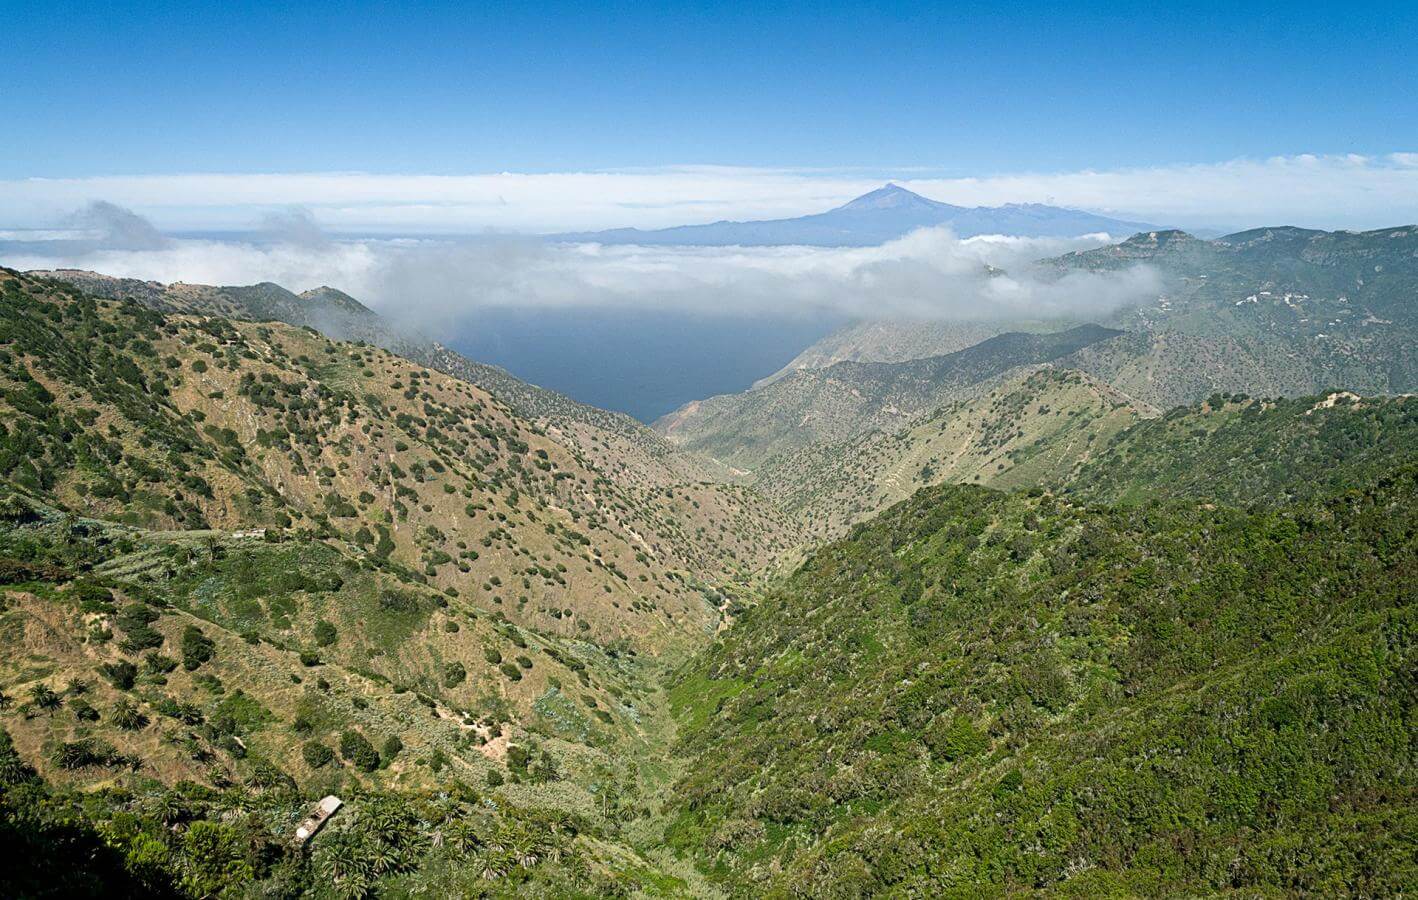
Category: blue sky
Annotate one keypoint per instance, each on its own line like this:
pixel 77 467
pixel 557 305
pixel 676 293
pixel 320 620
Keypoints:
pixel 152 88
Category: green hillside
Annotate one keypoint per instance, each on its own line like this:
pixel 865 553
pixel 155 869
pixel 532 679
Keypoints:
pixel 980 693
pixel 1269 312
pixel 612 440
pixel 244 566
pixel 850 398
pixel 1031 429
pixel 1247 452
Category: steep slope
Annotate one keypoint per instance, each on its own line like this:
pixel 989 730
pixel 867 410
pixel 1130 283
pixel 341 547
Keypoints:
pixel 187 702
pixel 973 693
pixel 850 398
pixel 980 694
pixel 891 342
pixel 1031 429
pixel 613 441
pixel 243 566
pixel 1275 311
pixel 175 420
pixel 1248 452
pixel 876 217
pixel 1303 310
pixel 1063 430
pixel 1270 312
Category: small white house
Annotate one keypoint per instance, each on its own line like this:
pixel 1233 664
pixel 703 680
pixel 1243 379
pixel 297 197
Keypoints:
pixel 313 822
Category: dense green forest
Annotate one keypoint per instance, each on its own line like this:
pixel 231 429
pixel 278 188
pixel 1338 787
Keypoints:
pixel 982 693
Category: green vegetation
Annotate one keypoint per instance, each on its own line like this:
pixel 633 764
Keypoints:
pixel 981 693
pixel 850 398
pixel 243 567
pixel 192 841
pixel 1246 452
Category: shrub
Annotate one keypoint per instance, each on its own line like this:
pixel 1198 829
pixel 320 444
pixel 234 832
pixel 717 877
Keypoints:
pixel 325 633
pixel 136 620
pixel 197 648
pixel 316 754
pixel 956 739
pixel 392 748
pixel 358 751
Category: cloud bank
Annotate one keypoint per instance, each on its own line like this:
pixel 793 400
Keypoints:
pixel 929 274
pixel 1334 191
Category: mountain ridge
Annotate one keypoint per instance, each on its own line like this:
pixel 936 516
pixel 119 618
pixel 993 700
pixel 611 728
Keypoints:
pixel 887 213
pixel 848 398
pixel 1269 312
pixel 640 453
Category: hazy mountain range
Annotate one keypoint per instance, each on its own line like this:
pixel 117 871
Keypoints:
pixel 882 215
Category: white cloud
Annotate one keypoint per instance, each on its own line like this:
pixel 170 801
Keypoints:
pixel 119 228
pixel 927 274
pixel 1320 191
pixel 1348 191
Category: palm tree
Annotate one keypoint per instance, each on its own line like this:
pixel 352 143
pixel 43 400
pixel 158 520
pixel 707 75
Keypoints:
pixel 344 862
pixel 166 807
pixel 44 698
pixel 127 716
pixel 235 803
pixel 461 836
pixel 492 863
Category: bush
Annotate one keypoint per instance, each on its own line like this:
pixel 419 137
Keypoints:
pixel 956 739
pixel 392 748
pixel 197 648
pixel 316 754
pixel 325 633
pixel 454 674
pixel 136 620
pixel 120 674
pixel 358 751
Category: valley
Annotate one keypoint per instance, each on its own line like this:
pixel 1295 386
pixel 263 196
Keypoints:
pixel 982 608
pixel 691 451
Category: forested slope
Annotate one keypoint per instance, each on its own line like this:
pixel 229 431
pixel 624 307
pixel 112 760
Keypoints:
pixel 981 693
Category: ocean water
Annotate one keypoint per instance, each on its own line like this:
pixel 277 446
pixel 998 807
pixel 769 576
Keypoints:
pixel 638 362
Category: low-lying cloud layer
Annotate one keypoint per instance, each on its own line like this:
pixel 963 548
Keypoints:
pixel 929 274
